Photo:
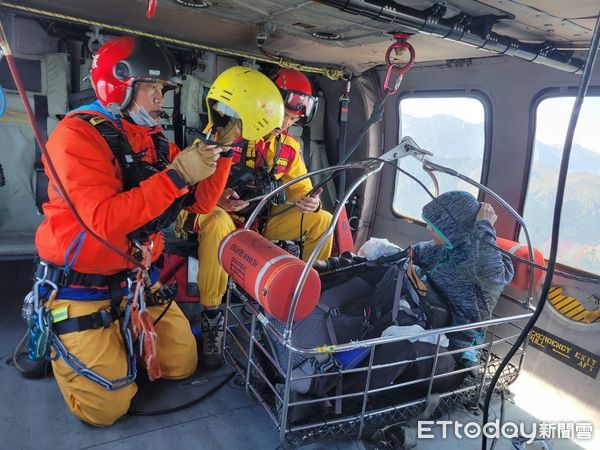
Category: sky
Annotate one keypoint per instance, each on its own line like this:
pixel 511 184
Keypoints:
pixel 551 123
pixel 553 116
pixel 468 109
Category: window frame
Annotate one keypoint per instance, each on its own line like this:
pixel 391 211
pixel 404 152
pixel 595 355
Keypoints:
pixel 544 94
pixel 476 94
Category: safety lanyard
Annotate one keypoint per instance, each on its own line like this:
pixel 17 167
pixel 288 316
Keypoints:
pixel 342 132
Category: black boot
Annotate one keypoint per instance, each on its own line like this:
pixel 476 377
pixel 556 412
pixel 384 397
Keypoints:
pixel 38 368
pixel 213 334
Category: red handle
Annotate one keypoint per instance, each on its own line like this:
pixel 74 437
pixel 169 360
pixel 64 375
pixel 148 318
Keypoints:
pixel 150 8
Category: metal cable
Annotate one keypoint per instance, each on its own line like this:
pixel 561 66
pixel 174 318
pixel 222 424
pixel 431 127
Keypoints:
pixel 562 178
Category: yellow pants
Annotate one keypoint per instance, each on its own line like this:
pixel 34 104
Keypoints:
pixel 213 227
pixel 102 350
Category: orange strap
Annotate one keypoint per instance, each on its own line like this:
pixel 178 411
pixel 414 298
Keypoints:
pixel 419 286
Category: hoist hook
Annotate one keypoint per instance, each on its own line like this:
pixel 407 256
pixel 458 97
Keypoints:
pixel 399 47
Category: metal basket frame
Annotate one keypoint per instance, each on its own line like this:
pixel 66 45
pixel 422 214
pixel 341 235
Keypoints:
pixel 246 352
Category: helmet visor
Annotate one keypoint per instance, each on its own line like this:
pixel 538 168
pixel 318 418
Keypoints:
pixel 297 102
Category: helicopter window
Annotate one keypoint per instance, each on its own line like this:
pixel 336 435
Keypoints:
pixel 579 240
pixel 454 129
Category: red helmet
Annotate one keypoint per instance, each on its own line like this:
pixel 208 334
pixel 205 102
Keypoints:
pixel 297 94
pixel 122 61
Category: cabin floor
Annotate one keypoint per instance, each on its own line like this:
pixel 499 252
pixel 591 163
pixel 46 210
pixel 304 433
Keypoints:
pixel 33 413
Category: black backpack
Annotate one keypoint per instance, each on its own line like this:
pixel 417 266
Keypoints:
pixel 358 303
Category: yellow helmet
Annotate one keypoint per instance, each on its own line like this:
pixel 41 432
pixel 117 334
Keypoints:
pixel 251 95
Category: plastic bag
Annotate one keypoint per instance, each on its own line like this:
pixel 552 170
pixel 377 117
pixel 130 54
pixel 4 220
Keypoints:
pixel 375 248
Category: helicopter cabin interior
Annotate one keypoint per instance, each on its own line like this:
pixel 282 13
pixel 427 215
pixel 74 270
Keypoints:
pixel 484 89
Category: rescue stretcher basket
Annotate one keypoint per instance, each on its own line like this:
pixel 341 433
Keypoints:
pixel 301 419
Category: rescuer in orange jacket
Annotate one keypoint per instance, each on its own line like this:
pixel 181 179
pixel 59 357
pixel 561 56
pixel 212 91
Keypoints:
pixel 127 182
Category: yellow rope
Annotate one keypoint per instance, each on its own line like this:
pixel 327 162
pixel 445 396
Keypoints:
pixel 331 73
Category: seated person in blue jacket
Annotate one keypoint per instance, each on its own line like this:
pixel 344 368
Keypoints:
pixel 472 274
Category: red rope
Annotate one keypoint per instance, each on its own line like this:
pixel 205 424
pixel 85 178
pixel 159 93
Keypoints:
pixel 142 325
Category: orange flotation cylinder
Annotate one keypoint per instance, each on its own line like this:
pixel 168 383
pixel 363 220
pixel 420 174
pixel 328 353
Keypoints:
pixel 522 270
pixel 268 273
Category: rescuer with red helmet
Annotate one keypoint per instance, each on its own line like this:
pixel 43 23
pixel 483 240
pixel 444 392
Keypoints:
pixel 275 158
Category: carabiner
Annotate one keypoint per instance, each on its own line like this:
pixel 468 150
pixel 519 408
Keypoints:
pixel 399 46
pixel 388 75
pixel 145 254
pixel 37 303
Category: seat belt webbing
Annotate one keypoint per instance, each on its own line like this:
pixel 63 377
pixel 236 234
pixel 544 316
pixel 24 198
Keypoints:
pixel 306 146
pixel 342 131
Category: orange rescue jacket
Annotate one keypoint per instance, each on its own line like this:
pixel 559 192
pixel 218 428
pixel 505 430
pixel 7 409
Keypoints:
pixel 93 180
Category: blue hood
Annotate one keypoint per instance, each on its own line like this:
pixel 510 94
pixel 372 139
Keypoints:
pixel 452 216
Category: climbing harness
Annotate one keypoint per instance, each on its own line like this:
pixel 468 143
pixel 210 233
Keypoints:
pixel 135 170
pixel 46 325
pixel 43 338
